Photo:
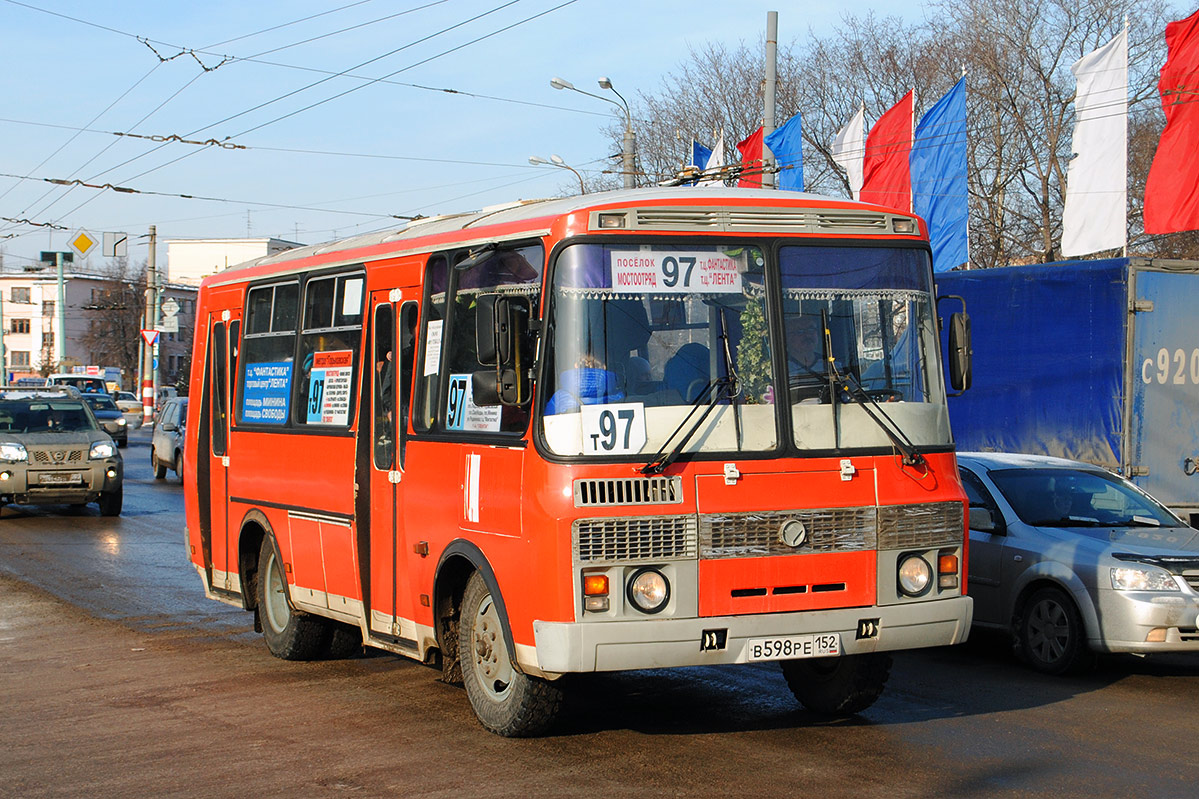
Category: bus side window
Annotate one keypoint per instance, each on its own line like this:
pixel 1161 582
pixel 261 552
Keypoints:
pixel 437 279
pixel 329 341
pixel 384 380
pixel 408 328
pixel 266 366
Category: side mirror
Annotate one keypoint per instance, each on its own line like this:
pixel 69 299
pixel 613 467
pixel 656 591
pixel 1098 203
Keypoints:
pixel 982 521
pixel 502 340
pixel 961 352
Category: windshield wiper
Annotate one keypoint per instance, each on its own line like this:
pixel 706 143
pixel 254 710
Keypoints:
pixel 1137 521
pixel 720 388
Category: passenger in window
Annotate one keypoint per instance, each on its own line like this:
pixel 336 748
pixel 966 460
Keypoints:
pixel 588 383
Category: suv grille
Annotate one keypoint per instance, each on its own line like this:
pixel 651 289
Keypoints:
pixel 52 457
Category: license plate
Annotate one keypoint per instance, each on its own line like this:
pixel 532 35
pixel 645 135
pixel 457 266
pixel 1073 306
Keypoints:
pixel 60 478
pixel 790 647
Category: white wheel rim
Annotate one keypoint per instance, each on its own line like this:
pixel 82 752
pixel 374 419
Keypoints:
pixel 489 653
pixel 275 601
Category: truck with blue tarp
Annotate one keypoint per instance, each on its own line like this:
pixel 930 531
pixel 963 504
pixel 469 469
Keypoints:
pixel 1092 360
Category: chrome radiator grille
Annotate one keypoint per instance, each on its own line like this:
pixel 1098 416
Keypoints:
pixel 740 535
pixel 634 538
pixel 920 526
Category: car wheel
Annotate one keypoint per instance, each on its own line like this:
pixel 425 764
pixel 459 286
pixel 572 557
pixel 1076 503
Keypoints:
pixel 839 686
pixel 505 701
pixel 123 442
pixel 290 634
pixel 160 470
pixel 179 466
pixel 110 502
pixel 1051 633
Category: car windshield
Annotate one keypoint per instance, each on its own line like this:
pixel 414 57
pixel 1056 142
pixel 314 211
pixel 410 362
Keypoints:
pixel 1079 498
pixel 102 404
pixel 44 416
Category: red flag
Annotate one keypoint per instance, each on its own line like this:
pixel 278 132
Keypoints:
pixel 887 174
pixel 751 159
pixel 1172 190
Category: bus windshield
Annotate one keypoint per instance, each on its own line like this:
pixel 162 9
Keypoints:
pixel 643 338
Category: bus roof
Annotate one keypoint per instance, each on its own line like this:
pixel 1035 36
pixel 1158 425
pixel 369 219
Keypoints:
pixel 526 218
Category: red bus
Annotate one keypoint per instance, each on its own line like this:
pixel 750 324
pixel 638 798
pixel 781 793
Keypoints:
pixel 641 429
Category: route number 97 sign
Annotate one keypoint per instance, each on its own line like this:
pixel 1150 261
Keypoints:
pixel 675 272
pixel 617 429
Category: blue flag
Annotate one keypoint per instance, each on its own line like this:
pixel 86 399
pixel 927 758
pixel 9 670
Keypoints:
pixel 699 154
pixel 938 164
pixel 787 145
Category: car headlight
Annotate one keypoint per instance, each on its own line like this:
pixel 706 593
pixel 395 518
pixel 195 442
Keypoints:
pixel 1142 578
pixel 13 453
pixel 914 575
pixel 101 450
pixel 122 421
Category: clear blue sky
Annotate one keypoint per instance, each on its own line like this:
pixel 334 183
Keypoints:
pixel 83 66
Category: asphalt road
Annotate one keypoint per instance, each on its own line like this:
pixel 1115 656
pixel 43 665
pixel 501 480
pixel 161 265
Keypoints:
pixel 118 679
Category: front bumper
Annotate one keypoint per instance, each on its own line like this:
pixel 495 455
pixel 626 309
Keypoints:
pixel 1128 618
pixel 564 647
pixel 23 485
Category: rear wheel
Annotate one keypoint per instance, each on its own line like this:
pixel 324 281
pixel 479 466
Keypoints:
pixel 160 470
pixel 1051 634
pixel 179 466
pixel 290 634
pixel 840 686
pixel 110 502
pixel 505 701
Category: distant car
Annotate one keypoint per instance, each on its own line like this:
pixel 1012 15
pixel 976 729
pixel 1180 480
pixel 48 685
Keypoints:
pixel 110 417
pixel 128 402
pixel 1073 560
pixel 85 383
pixel 166 447
pixel 53 451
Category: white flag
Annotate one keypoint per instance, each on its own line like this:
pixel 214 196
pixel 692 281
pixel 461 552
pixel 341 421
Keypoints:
pixel 1096 209
pixel 716 162
pixel 849 150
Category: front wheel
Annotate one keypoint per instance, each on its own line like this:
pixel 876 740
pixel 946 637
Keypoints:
pixel 290 634
pixel 160 469
pixel 505 701
pixel 179 467
pixel 1050 633
pixel 840 686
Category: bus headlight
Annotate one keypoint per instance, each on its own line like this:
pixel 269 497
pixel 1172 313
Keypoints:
pixel 915 575
pixel 649 591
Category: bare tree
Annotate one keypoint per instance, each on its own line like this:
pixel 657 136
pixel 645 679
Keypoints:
pixel 1016 55
pixel 115 317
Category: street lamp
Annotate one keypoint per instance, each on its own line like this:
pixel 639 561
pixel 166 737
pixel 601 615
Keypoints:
pixel 628 147
pixel 557 161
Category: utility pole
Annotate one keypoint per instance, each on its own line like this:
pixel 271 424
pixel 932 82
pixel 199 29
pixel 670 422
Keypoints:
pixel 149 324
pixel 60 343
pixel 772 40
pixel 3 354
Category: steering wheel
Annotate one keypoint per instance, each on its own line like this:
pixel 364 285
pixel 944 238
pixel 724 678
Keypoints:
pixel 884 394
pixel 807 387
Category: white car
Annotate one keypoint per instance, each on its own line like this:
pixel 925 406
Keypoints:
pixel 166 447
pixel 1072 559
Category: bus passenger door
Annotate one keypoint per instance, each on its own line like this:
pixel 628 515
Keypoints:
pixel 221 369
pixel 392 351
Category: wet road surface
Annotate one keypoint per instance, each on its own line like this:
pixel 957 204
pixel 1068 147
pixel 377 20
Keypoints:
pixel 117 678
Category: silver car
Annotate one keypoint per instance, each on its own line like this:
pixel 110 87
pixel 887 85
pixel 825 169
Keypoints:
pixel 1074 560
pixel 166 447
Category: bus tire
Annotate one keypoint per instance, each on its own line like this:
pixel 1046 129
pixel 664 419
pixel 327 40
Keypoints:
pixel 290 634
pixel 345 641
pixel 840 686
pixel 506 702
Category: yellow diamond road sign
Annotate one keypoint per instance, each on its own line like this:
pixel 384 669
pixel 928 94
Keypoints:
pixel 82 243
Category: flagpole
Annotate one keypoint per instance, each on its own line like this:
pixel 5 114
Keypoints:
pixel 772 36
pixel 1126 134
pixel 911 144
pixel 967 187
